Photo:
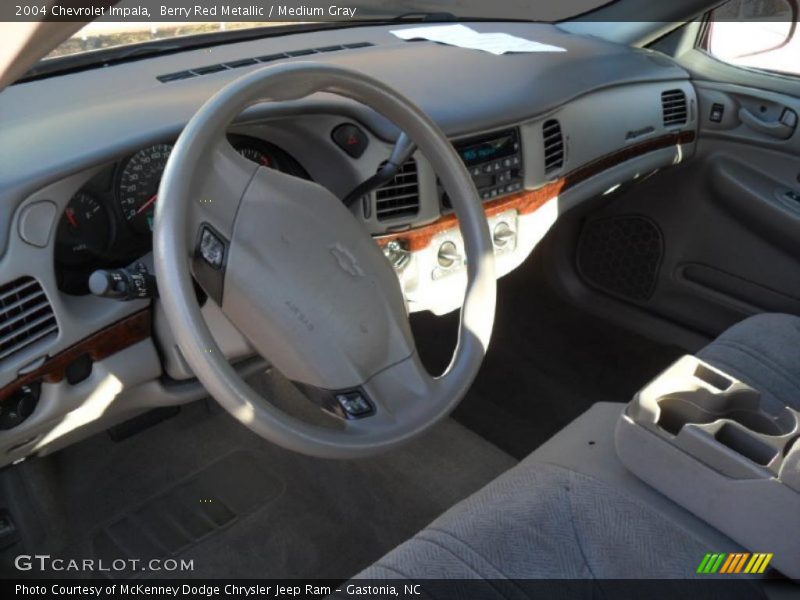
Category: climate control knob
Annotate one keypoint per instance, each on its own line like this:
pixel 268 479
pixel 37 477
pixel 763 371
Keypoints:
pixel 503 235
pixel 448 255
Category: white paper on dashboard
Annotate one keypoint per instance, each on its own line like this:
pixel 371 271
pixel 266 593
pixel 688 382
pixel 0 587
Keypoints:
pixel 465 37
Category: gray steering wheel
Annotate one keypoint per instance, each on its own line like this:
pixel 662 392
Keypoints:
pixel 296 273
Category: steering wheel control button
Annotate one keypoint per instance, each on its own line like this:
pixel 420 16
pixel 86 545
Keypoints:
pixel 351 139
pixel 36 223
pixel 212 249
pixel 208 265
pixel 354 404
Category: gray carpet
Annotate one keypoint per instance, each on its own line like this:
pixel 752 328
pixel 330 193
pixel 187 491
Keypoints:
pixel 547 363
pixel 201 486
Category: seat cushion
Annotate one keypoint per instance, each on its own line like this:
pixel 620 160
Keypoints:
pixel 764 352
pixel 545 521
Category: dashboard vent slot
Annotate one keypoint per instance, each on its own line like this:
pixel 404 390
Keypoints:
pixel 675 109
pixel 553 146
pixel 26 316
pixel 400 196
pixel 246 62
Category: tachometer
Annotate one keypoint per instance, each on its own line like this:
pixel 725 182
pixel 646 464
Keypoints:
pixel 256 155
pixel 138 186
pixel 83 231
pixel 267 155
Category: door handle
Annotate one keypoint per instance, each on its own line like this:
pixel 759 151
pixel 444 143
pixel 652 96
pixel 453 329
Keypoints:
pixel 781 129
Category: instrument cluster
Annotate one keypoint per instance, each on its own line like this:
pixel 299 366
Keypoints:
pixel 108 223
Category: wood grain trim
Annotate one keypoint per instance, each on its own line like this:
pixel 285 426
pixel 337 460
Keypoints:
pixel 104 343
pixel 530 201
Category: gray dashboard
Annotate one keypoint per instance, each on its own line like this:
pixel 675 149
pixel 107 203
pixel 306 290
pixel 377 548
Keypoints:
pixel 57 133
pixel 54 127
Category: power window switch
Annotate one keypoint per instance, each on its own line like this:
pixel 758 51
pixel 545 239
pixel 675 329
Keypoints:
pixel 717 112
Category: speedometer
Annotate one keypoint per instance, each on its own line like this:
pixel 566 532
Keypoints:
pixel 138 186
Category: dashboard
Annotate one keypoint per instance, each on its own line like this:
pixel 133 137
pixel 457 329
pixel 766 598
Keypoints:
pixel 538 133
pixel 108 222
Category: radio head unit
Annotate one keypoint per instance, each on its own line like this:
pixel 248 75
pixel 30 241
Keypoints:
pixel 495 163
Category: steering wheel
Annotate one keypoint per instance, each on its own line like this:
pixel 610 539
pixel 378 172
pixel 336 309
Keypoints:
pixel 296 273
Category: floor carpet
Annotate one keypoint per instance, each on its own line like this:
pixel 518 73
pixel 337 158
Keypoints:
pixel 201 486
pixel 548 362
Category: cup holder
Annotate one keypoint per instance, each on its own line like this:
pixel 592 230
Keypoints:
pixel 678 410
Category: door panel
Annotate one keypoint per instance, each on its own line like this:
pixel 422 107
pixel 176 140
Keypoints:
pixel 719 237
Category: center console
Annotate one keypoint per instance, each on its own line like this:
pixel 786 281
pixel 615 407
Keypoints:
pixel 706 440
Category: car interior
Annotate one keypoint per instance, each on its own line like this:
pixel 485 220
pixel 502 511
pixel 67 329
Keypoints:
pixel 374 300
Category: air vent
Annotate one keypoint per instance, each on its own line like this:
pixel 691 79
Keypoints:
pixel 246 62
pixel 674 105
pixel 399 197
pixel 26 316
pixel 553 146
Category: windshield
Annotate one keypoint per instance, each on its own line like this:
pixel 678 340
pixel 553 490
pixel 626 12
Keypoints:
pixel 125 22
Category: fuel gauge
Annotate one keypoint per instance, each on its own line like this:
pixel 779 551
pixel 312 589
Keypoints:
pixel 84 230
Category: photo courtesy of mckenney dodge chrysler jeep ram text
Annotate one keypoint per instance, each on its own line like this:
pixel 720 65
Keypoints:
pixel 400 299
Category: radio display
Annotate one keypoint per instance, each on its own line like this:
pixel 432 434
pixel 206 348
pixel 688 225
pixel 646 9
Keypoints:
pixel 487 149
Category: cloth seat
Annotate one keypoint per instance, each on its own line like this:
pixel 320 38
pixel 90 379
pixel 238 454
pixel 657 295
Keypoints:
pixel 545 521
pixel 541 520
pixel 764 352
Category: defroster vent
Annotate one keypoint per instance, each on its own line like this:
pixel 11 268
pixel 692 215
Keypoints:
pixel 399 197
pixel 26 316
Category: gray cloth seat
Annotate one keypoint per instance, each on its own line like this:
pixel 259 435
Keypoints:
pixel 544 521
pixel 764 352
pixel 541 520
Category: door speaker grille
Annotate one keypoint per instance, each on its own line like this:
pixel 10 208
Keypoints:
pixel 621 256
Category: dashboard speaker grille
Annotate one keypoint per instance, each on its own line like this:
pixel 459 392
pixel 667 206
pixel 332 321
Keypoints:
pixel 399 197
pixel 553 146
pixel 26 316
pixel 675 110
pixel 621 256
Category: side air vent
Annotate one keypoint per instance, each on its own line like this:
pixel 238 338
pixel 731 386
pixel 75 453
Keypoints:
pixel 675 109
pixel 399 197
pixel 25 316
pixel 246 62
pixel 553 146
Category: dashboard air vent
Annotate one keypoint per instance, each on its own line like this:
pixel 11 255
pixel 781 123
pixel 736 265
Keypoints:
pixel 400 196
pixel 553 146
pixel 246 62
pixel 25 316
pixel 675 109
